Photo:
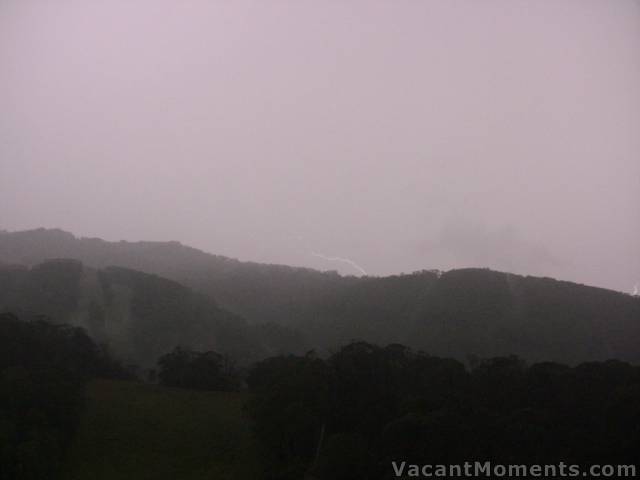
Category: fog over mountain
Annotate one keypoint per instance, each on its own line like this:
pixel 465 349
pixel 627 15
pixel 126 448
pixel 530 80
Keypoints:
pixel 358 136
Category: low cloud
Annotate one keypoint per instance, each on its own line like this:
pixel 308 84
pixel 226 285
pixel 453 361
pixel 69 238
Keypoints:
pixel 504 247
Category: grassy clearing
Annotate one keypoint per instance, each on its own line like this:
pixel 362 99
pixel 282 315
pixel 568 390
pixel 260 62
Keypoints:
pixel 135 431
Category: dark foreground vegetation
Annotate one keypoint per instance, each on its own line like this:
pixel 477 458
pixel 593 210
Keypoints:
pixel 347 416
pixel 43 371
pixel 209 370
pixel 350 416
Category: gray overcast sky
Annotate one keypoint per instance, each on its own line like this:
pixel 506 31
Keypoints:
pixel 399 134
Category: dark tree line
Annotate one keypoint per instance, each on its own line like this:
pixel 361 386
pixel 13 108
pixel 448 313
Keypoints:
pixel 185 368
pixel 43 369
pixel 350 416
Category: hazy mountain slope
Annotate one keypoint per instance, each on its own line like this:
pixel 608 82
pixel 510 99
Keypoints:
pixel 258 292
pixel 484 313
pixel 458 313
pixel 141 316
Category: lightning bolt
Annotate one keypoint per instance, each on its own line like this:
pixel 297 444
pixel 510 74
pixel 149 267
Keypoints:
pixel 340 259
pixel 636 290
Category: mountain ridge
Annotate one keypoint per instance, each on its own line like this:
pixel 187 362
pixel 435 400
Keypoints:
pixel 459 313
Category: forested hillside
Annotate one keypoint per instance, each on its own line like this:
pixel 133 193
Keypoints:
pixel 140 316
pixel 260 293
pixel 464 313
pixel 481 313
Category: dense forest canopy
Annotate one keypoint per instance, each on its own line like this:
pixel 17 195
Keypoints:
pixel 352 415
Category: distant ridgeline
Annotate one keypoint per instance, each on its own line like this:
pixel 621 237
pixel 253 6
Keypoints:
pixel 461 313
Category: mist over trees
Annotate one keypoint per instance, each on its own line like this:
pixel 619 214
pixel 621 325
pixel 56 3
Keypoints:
pixel 140 316
pixel 252 311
